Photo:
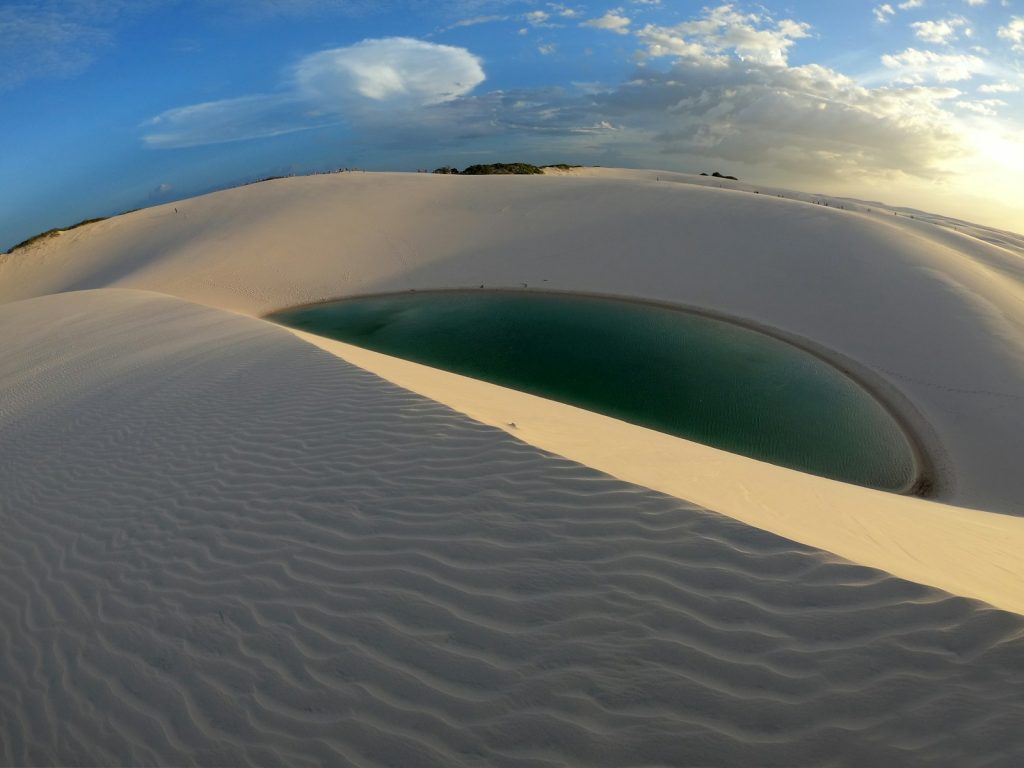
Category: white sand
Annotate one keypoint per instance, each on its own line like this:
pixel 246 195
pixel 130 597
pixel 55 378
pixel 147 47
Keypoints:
pixel 182 451
pixel 223 546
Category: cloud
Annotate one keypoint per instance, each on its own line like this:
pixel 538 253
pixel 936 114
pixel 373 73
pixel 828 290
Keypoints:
pixel 883 13
pixel 396 70
pixel 1014 32
pixel 613 21
pixel 55 38
pixel 987 107
pixel 1003 87
pixel 722 32
pixel 941 32
pixel 474 21
pixel 359 83
pixel 914 66
pixel 808 120
pixel 161 192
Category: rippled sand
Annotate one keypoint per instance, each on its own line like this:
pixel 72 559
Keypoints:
pixel 224 546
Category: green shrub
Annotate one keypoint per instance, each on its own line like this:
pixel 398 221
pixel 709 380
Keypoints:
pixel 501 168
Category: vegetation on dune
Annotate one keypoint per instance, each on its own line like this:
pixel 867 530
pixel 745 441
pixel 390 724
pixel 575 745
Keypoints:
pixel 489 169
pixel 718 175
pixel 52 233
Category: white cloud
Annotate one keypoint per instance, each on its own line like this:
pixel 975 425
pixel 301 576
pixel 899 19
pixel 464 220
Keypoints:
pixel 1014 32
pixel 986 107
pixel 976 2
pixel 357 83
pixel 1002 87
pixel 939 31
pixel 751 37
pixel 216 122
pixel 389 70
pixel 564 11
pixel 883 13
pixel 613 21
pixel 473 21
pixel 914 66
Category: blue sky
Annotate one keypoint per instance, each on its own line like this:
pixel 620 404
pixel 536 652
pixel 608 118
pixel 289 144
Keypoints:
pixel 110 105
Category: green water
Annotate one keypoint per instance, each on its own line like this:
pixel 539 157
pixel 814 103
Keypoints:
pixel 677 372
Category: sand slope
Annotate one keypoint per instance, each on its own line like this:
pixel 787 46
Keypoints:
pixel 223 545
pixel 935 314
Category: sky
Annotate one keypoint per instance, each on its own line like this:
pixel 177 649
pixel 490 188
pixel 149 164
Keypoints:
pixel 111 105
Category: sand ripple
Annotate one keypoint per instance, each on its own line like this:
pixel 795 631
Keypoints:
pixel 223 546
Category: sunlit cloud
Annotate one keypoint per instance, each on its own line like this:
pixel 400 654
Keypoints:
pixel 988 107
pixel 1002 87
pixel 916 66
pixel 328 87
pixel 613 21
pixel 722 31
pixel 941 31
pixel 1014 33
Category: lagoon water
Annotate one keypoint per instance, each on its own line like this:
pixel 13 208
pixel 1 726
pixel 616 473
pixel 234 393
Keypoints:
pixel 678 372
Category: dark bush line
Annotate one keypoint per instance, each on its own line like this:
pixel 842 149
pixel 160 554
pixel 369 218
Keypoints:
pixel 491 169
pixel 717 175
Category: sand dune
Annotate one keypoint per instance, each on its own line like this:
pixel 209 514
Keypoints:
pixel 940 321
pixel 224 546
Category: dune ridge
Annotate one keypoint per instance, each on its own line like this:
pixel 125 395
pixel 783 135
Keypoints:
pixel 226 546
pixel 936 314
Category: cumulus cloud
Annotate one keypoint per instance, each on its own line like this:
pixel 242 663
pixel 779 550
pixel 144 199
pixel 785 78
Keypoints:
pixel 351 84
pixel 723 32
pixel 940 31
pixel 613 21
pixel 808 120
pixel 914 66
pixel 1014 33
pixel 731 95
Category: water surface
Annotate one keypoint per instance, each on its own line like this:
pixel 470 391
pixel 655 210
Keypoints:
pixel 682 373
